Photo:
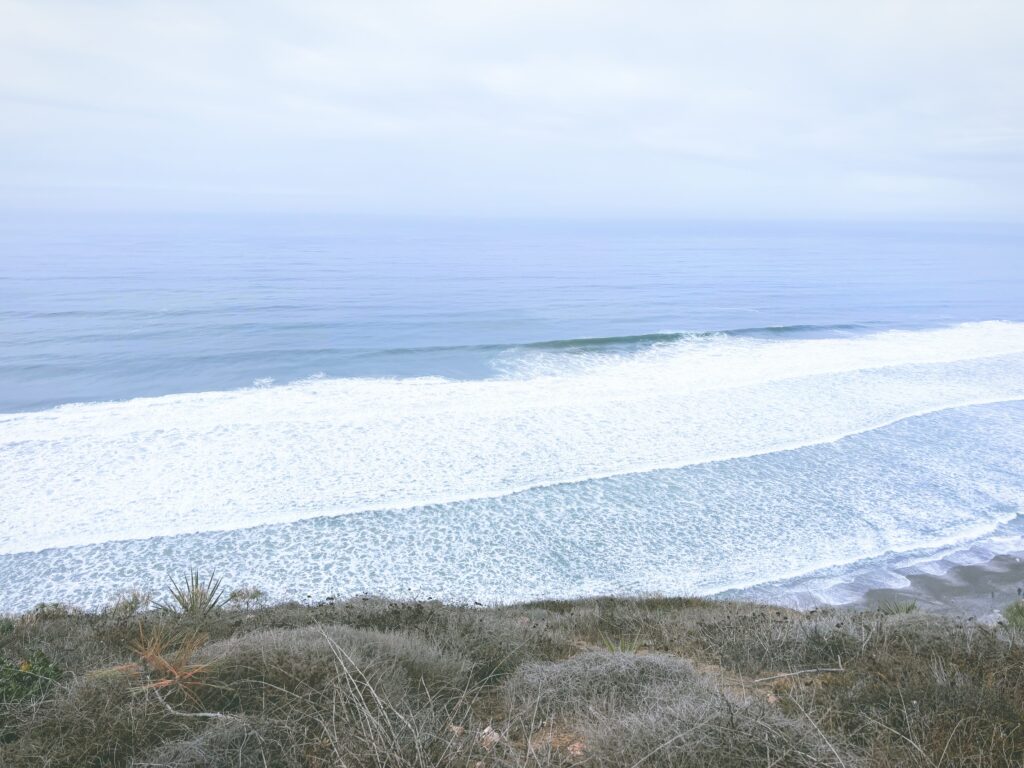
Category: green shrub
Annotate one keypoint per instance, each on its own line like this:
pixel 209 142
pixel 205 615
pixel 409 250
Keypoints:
pixel 773 641
pixel 49 612
pixel 290 664
pixel 498 642
pixel 600 680
pixel 1014 614
pixel 100 720
pixel 626 709
pixel 246 598
pixel 709 732
pixel 27 678
pixel 232 741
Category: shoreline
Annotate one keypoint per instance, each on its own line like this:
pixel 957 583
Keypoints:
pixel 976 579
pixel 978 590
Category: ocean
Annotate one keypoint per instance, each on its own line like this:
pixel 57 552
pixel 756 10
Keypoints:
pixel 494 411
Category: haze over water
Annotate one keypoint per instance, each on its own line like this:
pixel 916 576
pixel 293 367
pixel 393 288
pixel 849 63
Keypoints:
pixel 499 410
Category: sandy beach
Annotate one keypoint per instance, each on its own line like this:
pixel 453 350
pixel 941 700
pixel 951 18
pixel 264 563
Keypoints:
pixel 979 590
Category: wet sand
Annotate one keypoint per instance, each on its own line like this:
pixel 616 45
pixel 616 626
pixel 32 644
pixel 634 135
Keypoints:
pixel 978 591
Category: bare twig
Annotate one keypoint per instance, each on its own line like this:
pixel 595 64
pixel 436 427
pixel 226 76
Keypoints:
pixel 179 713
pixel 800 672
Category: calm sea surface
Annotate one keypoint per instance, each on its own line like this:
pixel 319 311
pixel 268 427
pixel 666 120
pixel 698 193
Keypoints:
pixel 502 410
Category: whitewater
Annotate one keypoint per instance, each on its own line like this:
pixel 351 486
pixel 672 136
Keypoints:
pixel 221 460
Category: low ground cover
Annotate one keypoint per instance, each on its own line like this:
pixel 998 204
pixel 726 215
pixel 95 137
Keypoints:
pixel 207 679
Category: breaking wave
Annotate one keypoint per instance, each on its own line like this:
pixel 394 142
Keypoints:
pixel 558 413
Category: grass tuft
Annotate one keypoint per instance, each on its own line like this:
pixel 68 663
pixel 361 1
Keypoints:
pixel 129 604
pixel 895 607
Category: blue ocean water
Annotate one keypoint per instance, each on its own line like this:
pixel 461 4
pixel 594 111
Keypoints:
pixel 498 410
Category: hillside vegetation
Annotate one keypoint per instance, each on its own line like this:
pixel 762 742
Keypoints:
pixel 206 681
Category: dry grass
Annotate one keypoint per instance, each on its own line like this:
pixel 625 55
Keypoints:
pixel 167 663
pixel 604 682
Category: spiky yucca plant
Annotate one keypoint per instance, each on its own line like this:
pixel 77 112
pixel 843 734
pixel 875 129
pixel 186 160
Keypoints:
pixel 195 597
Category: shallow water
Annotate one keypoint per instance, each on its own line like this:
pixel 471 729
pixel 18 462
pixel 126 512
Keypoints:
pixel 502 411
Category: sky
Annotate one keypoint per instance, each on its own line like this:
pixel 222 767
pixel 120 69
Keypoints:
pixel 845 109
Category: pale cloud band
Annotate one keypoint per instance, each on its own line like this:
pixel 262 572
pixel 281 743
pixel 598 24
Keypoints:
pixel 747 109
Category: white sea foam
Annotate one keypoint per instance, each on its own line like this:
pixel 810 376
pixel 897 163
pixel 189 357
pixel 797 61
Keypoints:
pixel 828 520
pixel 89 473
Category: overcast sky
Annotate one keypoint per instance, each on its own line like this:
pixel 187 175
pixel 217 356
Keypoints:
pixel 696 109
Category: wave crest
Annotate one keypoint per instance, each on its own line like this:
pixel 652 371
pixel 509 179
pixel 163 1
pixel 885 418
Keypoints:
pixel 221 460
